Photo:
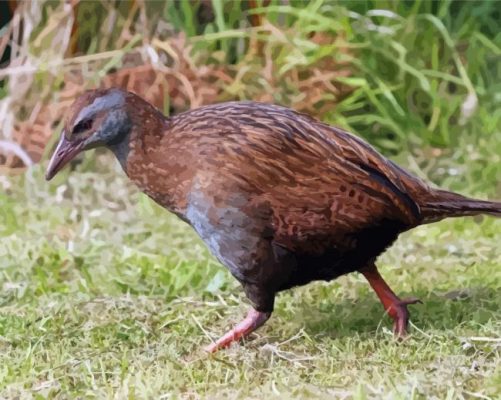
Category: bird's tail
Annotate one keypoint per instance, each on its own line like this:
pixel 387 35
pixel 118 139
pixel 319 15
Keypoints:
pixel 443 204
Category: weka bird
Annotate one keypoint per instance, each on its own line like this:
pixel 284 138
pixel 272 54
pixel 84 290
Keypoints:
pixel 280 198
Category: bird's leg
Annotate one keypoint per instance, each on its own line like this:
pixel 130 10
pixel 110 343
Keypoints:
pixel 254 320
pixel 394 306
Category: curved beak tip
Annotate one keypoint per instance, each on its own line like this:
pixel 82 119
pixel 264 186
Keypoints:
pixel 48 175
pixel 64 152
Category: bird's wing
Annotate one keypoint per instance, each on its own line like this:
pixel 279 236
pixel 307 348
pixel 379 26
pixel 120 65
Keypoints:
pixel 317 179
pixel 293 158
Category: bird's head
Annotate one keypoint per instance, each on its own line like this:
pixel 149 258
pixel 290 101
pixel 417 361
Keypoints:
pixel 97 118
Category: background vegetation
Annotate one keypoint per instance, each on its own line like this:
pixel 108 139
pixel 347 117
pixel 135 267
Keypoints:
pixel 103 294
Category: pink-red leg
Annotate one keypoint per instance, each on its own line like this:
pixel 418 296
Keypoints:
pixel 254 320
pixel 394 306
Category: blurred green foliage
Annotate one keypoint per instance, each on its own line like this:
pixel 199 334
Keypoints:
pixel 413 65
pixel 405 75
pixel 412 77
pixel 409 76
pixel 408 73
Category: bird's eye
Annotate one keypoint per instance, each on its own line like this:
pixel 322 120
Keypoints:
pixel 82 126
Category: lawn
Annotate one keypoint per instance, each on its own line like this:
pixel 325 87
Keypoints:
pixel 105 295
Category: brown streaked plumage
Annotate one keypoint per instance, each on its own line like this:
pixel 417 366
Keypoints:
pixel 280 198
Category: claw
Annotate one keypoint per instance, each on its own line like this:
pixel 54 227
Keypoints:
pixel 398 311
pixel 411 300
pixel 253 321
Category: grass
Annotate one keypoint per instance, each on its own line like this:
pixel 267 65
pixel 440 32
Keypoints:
pixel 104 295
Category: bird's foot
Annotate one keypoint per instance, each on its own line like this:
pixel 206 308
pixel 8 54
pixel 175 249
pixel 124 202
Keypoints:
pixel 254 320
pixel 394 306
pixel 398 311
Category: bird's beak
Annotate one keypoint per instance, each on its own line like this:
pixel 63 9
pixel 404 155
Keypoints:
pixel 64 153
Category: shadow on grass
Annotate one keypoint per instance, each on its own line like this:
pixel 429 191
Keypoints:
pixel 440 311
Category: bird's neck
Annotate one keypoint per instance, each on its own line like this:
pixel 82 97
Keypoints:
pixel 144 157
pixel 145 122
pixel 121 151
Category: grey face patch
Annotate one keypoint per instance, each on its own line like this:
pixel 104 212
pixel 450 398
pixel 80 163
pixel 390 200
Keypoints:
pixel 115 134
pixel 113 130
pixel 114 98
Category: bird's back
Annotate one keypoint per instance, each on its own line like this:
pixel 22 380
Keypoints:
pixel 318 181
